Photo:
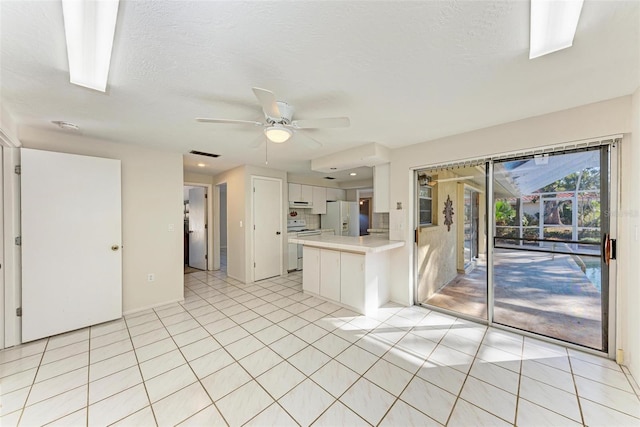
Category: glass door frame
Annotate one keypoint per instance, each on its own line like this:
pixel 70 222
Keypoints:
pixel 612 184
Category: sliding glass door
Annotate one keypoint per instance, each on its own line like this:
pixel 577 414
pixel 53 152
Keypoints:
pixel 451 239
pixel 550 276
pixel 549 249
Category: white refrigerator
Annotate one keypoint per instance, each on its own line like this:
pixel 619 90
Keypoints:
pixel 342 217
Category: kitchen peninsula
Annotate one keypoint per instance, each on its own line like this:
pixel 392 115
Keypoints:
pixel 352 271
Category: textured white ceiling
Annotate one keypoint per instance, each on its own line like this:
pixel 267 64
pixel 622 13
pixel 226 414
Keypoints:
pixel 403 71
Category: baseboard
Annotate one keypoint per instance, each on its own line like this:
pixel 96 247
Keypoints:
pixel 137 310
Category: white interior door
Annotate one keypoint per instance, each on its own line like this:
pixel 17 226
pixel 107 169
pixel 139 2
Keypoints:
pixel 197 231
pixel 71 238
pixel 267 235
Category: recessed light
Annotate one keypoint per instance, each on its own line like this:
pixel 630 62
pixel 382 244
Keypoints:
pixel 353 174
pixel 553 25
pixel 89 27
pixel 65 125
pixel 201 165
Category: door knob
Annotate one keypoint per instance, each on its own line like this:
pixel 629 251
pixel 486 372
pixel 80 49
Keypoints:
pixel 115 247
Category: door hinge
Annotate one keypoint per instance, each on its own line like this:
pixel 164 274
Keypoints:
pixel 206 197
pixel 254 265
pixel 19 241
pixel 254 189
pixel 19 311
pixel 18 170
pixel 206 257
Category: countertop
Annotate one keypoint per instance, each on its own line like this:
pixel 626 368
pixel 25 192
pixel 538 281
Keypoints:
pixel 362 244
pixel 322 230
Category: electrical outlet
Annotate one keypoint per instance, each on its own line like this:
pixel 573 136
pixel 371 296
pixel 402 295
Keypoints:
pixel 171 228
pixel 151 277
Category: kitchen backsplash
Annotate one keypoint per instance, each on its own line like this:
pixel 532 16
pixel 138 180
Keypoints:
pixel 380 220
pixel 313 220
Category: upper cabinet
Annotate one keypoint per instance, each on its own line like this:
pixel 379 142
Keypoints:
pixel 381 188
pixel 294 192
pixel 300 195
pixel 319 200
pixel 336 194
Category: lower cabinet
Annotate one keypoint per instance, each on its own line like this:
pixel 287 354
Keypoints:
pixel 352 280
pixel 356 280
pixel 330 274
pixel 311 270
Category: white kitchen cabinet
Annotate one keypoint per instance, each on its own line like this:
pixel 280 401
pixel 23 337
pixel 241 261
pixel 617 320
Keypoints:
pixel 306 193
pixel 330 274
pixel 319 200
pixel 300 193
pixel 311 268
pixel 352 279
pixel 381 188
pixel 294 192
pixel 336 194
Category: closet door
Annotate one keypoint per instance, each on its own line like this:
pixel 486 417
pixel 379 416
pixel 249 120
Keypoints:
pixel 71 239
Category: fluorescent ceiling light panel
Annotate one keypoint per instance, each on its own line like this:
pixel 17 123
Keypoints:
pixel 89 26
pixel 553 25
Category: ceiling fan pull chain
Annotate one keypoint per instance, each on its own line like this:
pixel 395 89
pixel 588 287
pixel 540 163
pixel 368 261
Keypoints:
pixel 266 151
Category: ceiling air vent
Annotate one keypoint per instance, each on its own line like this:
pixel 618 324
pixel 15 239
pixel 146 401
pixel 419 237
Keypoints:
pixel 329 177
pixel 202 153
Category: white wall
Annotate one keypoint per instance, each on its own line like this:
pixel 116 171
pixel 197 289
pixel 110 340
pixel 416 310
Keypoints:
pixel 629 246
pixel 585 122
pixel 151 200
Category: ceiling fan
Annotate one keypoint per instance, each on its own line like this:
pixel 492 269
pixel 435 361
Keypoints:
pixel 278 125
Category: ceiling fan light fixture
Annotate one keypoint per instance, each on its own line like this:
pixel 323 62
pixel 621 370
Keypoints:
pixel 278 133
pixel 89 27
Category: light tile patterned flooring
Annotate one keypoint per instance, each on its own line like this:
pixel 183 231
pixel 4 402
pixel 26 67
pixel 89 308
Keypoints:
pixel 265 354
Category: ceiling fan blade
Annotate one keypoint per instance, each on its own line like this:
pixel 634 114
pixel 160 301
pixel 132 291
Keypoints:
pixel 267 100
pixel 308 140
pixel 330 122
pixel 247 122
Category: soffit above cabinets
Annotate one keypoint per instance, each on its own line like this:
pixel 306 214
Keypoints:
pixel 369 155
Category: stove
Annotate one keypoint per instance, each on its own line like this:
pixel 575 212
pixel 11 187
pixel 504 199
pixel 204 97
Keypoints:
pixel 295 252
pixel 295 225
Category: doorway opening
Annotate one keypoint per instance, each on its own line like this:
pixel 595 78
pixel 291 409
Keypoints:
pixel 223 227
pixel 364 215
pixel 196 239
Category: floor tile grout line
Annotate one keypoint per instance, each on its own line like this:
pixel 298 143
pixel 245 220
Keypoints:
pixel 575 384
pixel 284 360
pixel 515 416
pixel 24 405
pixel 155 419
pixel 464 382
pixel 198 379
